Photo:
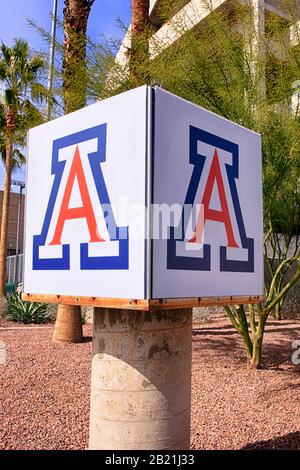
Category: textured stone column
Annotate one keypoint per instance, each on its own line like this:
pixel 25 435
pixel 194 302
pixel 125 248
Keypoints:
pixel 141 380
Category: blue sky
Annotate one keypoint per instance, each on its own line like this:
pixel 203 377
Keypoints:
pixel 13 21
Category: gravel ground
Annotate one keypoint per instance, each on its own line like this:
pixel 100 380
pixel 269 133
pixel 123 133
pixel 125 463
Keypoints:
pixel 44 390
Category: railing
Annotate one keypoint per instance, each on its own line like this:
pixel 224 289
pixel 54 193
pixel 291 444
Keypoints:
pixel 11 261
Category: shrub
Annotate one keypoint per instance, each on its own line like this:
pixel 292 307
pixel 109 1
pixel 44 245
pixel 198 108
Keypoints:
pixel 26 312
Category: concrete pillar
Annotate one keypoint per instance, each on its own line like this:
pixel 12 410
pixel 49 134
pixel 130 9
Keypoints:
pixel 141 380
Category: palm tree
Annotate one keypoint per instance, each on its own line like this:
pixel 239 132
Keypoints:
pixel 19 158
pixel 139 52
pixel 68 326
pixel 22 91
pixel 76 15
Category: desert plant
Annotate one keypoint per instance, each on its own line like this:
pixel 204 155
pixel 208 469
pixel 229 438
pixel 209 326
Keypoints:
pixel 229 65
pixel 26 312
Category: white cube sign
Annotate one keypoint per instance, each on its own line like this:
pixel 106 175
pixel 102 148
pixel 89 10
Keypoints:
pixel 143 196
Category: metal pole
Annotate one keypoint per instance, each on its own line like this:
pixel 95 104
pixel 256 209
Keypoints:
pixel 51 55
pixel 18 236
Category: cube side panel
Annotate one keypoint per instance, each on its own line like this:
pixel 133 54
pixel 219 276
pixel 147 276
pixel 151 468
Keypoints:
pixel 85 196
pixel 208 186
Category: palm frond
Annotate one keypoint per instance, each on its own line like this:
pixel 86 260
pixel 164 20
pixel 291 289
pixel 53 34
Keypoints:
pixel 6 53
pixel 39 92
pixel 21 74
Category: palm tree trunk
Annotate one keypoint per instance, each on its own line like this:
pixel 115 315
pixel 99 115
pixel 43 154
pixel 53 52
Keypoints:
pixel 139 53
pixel 68 326
pixel 5 212
pixel 76 14
pixel 140 16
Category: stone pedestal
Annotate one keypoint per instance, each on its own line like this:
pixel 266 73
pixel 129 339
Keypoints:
pixel 141 380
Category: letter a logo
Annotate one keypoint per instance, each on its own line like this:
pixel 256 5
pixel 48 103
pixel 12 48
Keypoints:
pixel 194 252
pixel 85 211
pixel 61 209
pixel 223 215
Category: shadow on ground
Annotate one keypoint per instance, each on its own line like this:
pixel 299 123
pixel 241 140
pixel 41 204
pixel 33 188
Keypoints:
pixel 87 339
pixel 290 441
pixel 224 340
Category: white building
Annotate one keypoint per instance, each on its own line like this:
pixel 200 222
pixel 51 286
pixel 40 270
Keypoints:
pixel 186 14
